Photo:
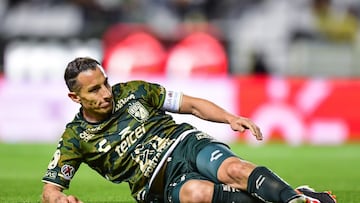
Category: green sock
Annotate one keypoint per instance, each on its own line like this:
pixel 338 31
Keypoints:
pixel 225 193
pixel 266 185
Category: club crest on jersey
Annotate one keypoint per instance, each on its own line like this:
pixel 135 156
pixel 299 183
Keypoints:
pixel 67 171
pixel 138 111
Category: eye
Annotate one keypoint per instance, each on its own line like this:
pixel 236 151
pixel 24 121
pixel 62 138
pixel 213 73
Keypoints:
pixel 94 90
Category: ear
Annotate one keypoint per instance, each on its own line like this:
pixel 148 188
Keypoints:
pixel 73 96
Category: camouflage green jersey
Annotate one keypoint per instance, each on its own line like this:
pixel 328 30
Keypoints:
pixel 126 147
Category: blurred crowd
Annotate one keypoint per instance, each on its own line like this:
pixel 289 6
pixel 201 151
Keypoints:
pixel 297 37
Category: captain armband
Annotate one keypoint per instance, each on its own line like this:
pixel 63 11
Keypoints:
pixel 172 101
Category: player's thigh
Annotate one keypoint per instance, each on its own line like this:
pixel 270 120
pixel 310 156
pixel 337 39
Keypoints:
pixel 191 187
pixel 211 157
pixel 218 163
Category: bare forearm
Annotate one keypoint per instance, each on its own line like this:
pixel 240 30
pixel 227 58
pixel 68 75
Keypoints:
pixel 211 112
pixel 205 109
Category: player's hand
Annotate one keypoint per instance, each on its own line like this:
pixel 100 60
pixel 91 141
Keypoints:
pixel 241 124
pixel 73 199
pixel 53 194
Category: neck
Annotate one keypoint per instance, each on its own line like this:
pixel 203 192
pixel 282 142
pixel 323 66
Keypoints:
pixel 93 118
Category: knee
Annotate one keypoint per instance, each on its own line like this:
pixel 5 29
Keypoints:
pixel 235 171
pixel 196 191
pixel 239 168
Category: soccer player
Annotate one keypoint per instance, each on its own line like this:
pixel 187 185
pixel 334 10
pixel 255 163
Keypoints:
pixel 124 133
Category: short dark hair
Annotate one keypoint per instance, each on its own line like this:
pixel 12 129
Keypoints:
pixel 75 67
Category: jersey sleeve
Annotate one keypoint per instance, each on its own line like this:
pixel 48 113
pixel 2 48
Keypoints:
pixel 172 101
pixel 162 98
pixel 64 163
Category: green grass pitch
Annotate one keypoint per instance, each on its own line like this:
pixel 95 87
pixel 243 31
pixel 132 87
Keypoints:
pixel 335 168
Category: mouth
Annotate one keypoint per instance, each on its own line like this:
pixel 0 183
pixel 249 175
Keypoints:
pixel 106 105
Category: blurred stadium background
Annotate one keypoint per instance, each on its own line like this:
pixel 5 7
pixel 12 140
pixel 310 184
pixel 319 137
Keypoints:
pixel 291 66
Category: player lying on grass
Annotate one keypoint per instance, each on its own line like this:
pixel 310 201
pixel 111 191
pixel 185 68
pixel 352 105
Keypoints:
pixel 124 133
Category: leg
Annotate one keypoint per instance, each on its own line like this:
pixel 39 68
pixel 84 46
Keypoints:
pixel 217 162
pixel 207 161
pixel 184 183
pixel 235 172
pixel 203 191
pixel 260 182
pixel 196 191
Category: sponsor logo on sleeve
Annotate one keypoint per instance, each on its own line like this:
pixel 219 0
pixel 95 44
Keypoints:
pixel 67 171
pixel 50 174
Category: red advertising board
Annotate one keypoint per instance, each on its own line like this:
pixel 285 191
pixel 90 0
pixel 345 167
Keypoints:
pixel 301 110
pixel 293 110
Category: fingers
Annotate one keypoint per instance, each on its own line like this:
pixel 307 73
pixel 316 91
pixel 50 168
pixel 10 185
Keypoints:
pixel 73 199
pixel 248 124
pixel 256 132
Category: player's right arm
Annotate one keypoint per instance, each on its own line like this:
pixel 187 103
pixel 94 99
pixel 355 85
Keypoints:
pixel 61 169
pixel 53 194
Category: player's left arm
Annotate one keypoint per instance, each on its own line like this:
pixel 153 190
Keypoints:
pixel 209 111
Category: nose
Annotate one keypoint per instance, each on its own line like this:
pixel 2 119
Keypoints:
pixel 106 92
